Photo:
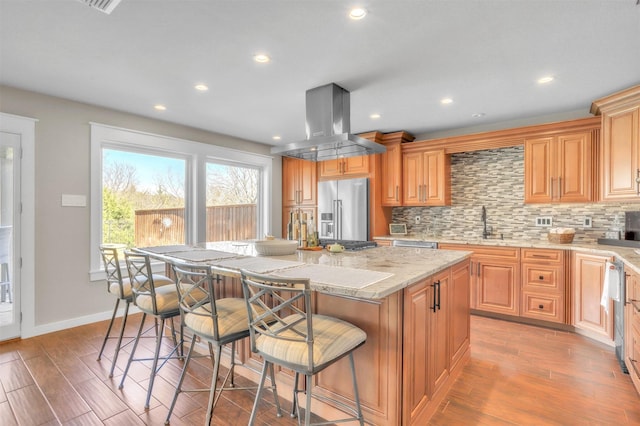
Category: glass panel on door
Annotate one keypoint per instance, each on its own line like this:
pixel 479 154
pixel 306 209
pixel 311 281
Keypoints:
pixel 9 194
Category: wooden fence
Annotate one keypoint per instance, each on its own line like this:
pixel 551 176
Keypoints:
pixel 166 226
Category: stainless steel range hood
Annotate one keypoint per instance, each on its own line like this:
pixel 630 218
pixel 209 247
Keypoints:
pixel 328 128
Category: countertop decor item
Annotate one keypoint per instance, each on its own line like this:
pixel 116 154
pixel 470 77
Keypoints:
pixel 276 247
pixel 561 235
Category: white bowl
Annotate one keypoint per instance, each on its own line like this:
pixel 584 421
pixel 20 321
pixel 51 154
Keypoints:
pixel 276 247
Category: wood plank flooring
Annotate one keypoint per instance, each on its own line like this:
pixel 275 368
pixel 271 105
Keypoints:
pixel 518 375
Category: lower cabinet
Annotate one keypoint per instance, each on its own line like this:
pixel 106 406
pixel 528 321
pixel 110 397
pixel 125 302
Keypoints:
pixel 435 338
pixel 588 280
pixel 543 284
pixel 632 328
pixel 495 277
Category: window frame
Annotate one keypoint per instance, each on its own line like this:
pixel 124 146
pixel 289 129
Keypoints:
pixel 196 156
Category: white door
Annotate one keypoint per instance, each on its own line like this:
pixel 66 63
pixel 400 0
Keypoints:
pixel 9 235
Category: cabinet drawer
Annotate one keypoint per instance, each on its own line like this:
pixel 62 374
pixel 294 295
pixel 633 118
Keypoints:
pixel 542 278
pixel 545 256
pixel 544 307
pixel 490 252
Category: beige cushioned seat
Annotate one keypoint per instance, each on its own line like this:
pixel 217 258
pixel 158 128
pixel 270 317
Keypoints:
pixel 232 318
pixel 332 337
pixel 166 298
pixel 158 280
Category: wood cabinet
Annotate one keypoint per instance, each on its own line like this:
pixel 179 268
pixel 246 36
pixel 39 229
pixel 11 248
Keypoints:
pixel 299 188
pixel 391 168
pixel 435 338
pixel 620 144
pixel 495 277
pixel 345 166
pixel 543 284
pixel 426 178
pixel 558 168
pixel 632 328
pixel 299 182
pixel 588 278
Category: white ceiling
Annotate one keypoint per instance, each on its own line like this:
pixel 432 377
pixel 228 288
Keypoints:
pixel 399 61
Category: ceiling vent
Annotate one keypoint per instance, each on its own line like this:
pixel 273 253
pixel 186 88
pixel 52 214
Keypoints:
pixel 105 6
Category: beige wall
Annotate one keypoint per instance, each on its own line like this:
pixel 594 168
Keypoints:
pixel 63 292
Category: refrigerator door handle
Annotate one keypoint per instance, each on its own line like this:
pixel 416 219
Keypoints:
pixel 339 218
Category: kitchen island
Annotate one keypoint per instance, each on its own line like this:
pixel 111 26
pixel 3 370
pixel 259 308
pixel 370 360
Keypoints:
pixel 412 303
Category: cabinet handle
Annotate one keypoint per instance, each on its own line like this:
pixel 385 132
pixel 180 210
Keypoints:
pixel 397 190
pixel 471 270
pixel 541 256
pixel 559 188
pixel 551 188
pixel 438 284
pixel 478 268
pixel 634 362
pixel 540 277
pixel 433 308
pixel 540 306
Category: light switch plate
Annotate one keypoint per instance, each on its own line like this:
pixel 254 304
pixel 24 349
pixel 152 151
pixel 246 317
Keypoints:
pixel 69 200
pixel 587 222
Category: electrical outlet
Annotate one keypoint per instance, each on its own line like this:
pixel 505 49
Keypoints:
pixel 417 219
pixel 544 221
pixel 587 222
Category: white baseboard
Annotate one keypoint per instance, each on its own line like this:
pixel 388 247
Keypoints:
pixel 73 322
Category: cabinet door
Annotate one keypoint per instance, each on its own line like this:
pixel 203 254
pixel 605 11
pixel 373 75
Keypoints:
pixel 621 137
pixel 574 171
pixel 498 287
pixel 290 178
pixel 391 163
pixel 632 328
pixel 459 325
pixel 439 337
pixel 588 280
pixel 308 183
pixel 412 179
pixel 330 168
pixel 538 170
pixel 418 311
pixel 356 165
pixel 436 179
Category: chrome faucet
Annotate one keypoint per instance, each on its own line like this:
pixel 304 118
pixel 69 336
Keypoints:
pixel 485 231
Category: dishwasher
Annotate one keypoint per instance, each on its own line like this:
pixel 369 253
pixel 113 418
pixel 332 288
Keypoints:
pixel 415 244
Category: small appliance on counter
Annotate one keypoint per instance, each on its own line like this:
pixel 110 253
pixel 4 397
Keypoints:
pixel 631 232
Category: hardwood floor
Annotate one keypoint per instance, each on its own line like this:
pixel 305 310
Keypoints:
pixel 518 374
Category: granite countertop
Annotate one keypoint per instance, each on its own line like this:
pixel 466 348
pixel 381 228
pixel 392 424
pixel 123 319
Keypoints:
pixel 367 274
pixel 627 255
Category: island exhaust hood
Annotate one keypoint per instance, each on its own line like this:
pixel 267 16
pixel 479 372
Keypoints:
pixel 328 129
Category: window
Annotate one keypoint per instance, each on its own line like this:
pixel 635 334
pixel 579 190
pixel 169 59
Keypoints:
pixel 153 190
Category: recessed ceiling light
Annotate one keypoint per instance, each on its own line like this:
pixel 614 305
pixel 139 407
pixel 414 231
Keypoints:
pixel 201 87
pixel 160 107
pixel 446 101
pixel 478 115
pixel 276 138
pixel 374 116
pixel 545 80
pixel 357 13
pixel 261 58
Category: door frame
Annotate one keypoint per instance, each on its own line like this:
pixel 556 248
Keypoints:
pixel 24 233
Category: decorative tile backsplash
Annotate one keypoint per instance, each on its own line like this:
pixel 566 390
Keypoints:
pixel 495 179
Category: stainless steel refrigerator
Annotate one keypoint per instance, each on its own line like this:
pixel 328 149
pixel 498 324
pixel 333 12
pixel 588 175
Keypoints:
pixel 343 209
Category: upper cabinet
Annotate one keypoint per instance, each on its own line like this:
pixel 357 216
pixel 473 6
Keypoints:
pixel 426 177
pixel 558 168
pixel 620 144
pixel 345 166
pixel 391 168
pixel 299 182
